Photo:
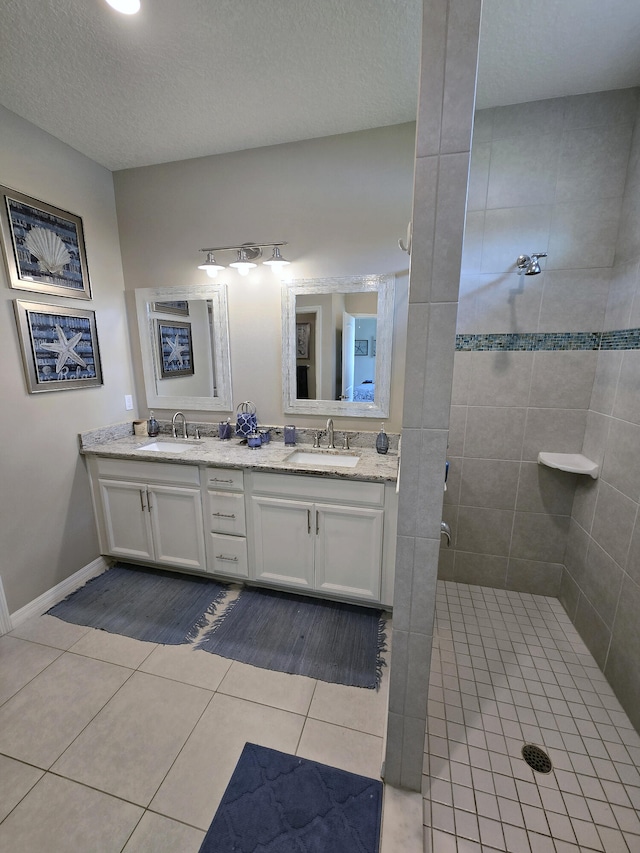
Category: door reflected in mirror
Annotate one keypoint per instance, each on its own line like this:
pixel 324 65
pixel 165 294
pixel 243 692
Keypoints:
pixel 337 345
pixel 184 340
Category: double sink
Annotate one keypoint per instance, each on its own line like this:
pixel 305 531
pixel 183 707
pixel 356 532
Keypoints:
pixel 324 458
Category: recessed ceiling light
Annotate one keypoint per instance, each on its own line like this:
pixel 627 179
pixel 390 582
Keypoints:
pixel 127 7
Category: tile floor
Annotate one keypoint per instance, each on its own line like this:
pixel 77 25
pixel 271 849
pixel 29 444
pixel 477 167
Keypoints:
pixel 508 669
pixel 108 744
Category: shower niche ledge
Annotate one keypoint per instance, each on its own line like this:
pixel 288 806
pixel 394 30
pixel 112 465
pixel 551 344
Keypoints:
pixel 575 463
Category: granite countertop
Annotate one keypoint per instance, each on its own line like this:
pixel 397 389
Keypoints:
pixel 232 454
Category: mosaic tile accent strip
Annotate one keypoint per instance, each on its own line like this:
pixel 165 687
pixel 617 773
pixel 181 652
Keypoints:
pixel 621 339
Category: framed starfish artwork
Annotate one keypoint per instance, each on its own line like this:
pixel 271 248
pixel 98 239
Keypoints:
pixel 175 349
pixel 59 347
pixel 43 247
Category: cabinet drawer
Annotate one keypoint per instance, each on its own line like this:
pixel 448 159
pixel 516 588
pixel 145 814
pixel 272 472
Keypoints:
pixel 229 479
pixel 226 513
pixel 228 555
pixel 148 472
pixel 319 488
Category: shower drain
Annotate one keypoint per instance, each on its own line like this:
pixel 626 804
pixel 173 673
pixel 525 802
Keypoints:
pixel 536 758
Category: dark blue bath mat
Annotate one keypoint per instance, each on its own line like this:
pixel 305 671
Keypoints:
pixel 279 803
pixel 146 604
pixel 328 640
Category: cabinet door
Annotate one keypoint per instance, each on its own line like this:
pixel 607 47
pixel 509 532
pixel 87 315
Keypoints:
pixel 126 519
pixel 178 532
pixel 283 537
pixel 348 550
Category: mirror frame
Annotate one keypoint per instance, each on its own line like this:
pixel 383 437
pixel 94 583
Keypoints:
pixel 217 293
pixel 383 285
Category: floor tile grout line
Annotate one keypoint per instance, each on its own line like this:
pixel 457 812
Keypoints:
pixel 62 652
pixel 175 759
pixel 570 685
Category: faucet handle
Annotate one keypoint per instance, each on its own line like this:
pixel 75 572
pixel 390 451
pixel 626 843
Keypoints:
pixel 316 437
pixel 345 443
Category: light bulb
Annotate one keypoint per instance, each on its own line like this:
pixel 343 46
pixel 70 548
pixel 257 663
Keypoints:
pixel 243 264
pixel 211 266
pixel 276 261
pixel 243 267
pixel 127 7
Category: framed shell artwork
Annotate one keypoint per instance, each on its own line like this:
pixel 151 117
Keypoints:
pixel 59 347
pixel 43 247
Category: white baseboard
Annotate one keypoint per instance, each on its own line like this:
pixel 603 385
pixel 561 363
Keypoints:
pixel 5 618
pixel 52 596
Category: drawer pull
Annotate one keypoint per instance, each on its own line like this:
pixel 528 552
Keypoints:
pixel 308 521
pixel 228 559
pixel 223 514
pixel 218 480
pixel 142 503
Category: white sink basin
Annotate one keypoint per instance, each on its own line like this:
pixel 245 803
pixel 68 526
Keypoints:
pixel 167 447
pixel 319 457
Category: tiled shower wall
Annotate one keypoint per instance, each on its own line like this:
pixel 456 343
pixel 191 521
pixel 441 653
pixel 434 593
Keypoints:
pixel 546 176
pixel 600 586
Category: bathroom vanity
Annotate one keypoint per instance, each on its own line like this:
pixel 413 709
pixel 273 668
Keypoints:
pixel 253 516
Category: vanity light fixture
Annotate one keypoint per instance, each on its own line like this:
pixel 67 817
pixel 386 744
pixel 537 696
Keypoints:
pixel 246 255
pixel 244 261
pixel 211 266
pixel 127 7
pixel 276 261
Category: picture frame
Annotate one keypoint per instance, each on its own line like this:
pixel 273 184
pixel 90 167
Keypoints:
pixel 59 347
pixel 175 349
pixel 303 337
pixel 43 247
pixel 361 346
pixel 180 307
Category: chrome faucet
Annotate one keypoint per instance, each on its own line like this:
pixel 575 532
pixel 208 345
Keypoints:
pixel 174 430
pixel 331 445
pixel 444 528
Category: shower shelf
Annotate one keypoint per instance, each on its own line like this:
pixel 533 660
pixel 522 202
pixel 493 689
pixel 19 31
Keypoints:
pixel 576 463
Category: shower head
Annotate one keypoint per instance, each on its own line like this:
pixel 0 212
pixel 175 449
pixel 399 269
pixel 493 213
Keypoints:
pixel 528 264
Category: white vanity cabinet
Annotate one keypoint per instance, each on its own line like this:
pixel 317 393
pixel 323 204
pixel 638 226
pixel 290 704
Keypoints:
pixel 226 523
pixel 150 511
pixel 321 535
pixel 318 533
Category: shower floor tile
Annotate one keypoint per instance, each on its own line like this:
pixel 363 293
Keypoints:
pixel 509 669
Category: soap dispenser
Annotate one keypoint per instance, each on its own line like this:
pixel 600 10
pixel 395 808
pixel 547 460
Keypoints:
pixel 153 428
pixel 382 441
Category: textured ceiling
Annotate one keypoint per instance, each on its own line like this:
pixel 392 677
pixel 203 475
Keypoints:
pixel 196 77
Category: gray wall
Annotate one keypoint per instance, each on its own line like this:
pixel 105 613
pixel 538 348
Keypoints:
pixel 47 530
pixel 601 582
pixel 545 176
pixel 341 202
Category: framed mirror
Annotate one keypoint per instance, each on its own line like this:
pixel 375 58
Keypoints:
pixel 184 340
pixel 337 337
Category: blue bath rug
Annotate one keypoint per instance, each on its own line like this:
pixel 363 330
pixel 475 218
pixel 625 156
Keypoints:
pixel 279 803
pixel 327 640
pixel 143 603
